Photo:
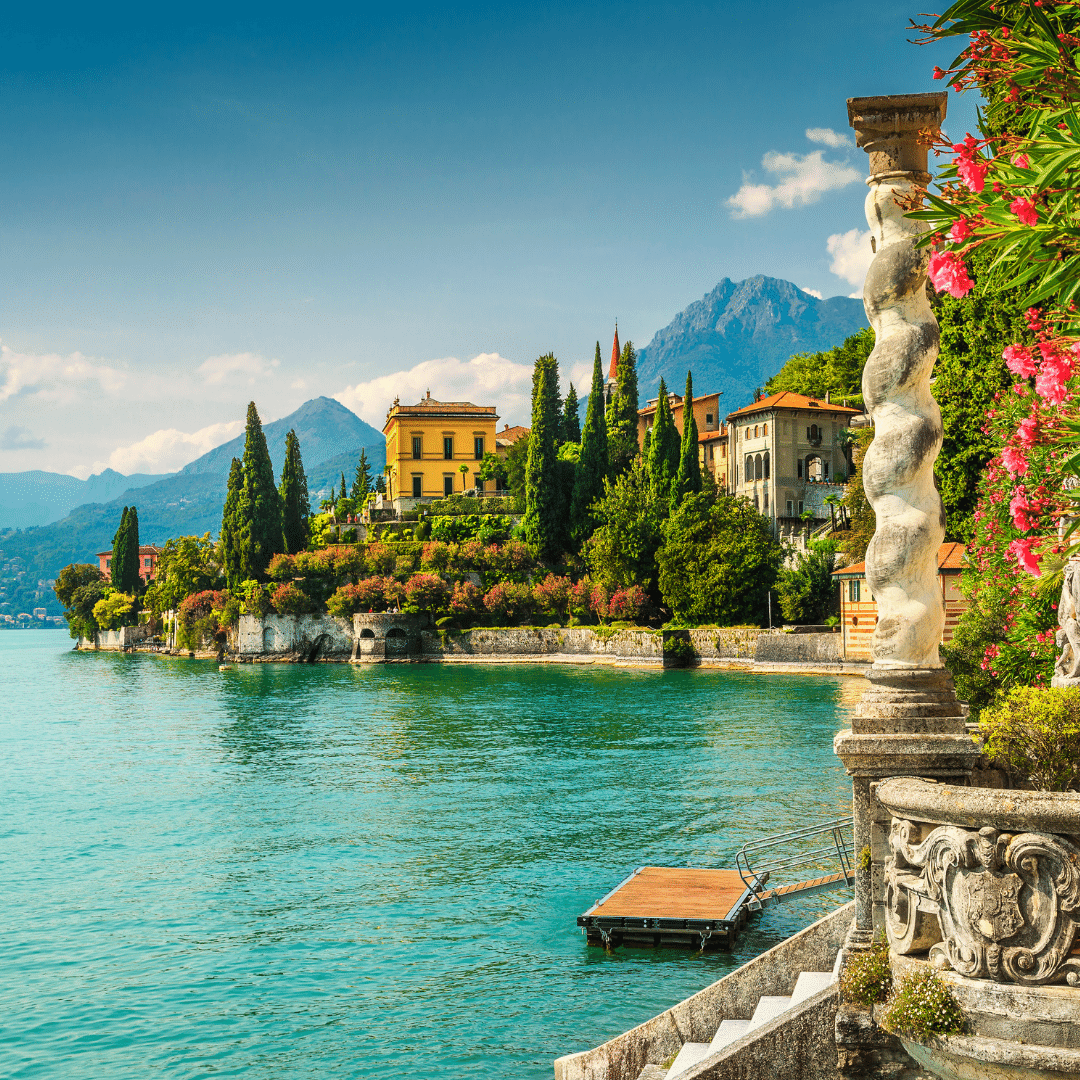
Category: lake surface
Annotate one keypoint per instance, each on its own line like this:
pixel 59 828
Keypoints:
pixel 312 871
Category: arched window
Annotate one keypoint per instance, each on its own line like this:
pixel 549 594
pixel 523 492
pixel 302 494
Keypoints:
pixel 766 500
pixel 757 468
pixel 766 462
pixel 749 468
pixel 764 429
pixel 748 435
pixel 814 469
pixel 757 431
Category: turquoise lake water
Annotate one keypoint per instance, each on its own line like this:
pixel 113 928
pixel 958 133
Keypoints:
pixel 311 871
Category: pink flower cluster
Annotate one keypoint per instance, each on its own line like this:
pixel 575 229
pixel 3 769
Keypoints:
pixel 948 273
pixel 1021 551
pixel 1025 211
pixel 971 168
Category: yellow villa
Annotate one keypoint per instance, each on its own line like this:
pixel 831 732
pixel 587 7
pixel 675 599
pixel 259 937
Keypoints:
pixel 434 449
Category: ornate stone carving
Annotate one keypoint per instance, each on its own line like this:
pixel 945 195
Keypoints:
pixel 1067 666
pixel 986 903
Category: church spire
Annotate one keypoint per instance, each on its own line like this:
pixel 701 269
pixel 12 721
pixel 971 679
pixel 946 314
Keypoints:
pixel 613 371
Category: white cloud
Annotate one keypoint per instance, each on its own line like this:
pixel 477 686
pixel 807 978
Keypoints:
pixel 803 179
pixel 811 292
pixel 827 137
pixel 166 450
pixel 53 375
pixel 487 379
pixel 216 369
pixel 851 256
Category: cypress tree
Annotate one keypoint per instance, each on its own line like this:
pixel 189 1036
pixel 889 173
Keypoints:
pixel 663 460
pixel 295 504
pixel 117 564
pixel 132 580
pixel 260 507
pixel 571 425
pixel 362 480
pixel 622 418
pixel 593 462
pixel 542 526
pixel 689 466
pixel 343 494
pixel 230 526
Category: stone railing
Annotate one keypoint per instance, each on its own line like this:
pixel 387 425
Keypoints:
pixel 986 881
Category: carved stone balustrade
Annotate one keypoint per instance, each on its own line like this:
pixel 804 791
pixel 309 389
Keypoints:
pixel 986 881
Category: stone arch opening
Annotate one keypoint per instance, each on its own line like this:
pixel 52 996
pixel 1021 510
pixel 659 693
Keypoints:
pixel 814 468
pixel 397 641
pixel 749 468
pixel 758 473
pixel 765 462
pixel 317 646
pixel 268 639
pixel 367 632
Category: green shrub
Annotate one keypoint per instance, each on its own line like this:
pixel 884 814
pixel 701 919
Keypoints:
pixel 1036 732
pixel 115 610
pixel 867 977
pixel 922 1006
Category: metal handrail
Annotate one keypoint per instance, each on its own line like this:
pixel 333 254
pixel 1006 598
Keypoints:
pixel 754 878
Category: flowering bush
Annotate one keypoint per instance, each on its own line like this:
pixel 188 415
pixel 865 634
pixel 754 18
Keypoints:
pixel 867 976
pixel 426 591
pixel 381 558
pixel 627 603
pixel 435 556
pixel 290 599
pixel 551 594
pixel 466 598
pixel 509 600
pixel 1036 733
pixel 198 619
pixel 368 594
pixel 471 556
pixel 923 1006
pixel 579 597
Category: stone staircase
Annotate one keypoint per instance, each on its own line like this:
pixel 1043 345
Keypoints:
pixel 769 1007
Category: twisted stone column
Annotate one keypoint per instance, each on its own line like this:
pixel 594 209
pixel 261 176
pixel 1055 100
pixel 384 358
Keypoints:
pixel 908 722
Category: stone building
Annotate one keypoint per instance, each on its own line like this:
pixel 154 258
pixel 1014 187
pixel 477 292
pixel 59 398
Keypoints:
pixel 858 610
pixel 429 443
pixel 148 560
pixel 784 453
pixel 712 434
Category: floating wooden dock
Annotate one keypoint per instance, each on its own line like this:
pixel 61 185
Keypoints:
pixel 663 905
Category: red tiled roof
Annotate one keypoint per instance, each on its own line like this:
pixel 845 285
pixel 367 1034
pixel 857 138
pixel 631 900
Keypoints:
pixel 712 436
pixel 950 556
pixel 511 434
pixel 786 399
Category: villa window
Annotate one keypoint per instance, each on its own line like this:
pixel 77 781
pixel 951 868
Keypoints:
pixel 790 509
pixel 853 591
pixel 478 447
pixel 417 487
pixel 748 435
pixel 766 463
pixel 749 468
pixel 448 485
pixel 798 467
pixel 764 429
pixel 766 500
pixel 757 429
pixel 479 487
pixel 708 419
pixel 757 467
pixel 448 448
pixel 826 468
pixel 417 448
pixel 800 508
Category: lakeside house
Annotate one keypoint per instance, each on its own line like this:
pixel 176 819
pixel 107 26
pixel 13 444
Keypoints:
pixel 785 453
pixel 434 449
pixel 507 437
pixel 858 609
pixel 148 560
pixel 712 434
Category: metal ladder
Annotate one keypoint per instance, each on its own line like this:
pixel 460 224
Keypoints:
pixel 828 843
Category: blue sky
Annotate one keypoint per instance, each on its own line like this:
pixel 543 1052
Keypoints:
pixel 227 203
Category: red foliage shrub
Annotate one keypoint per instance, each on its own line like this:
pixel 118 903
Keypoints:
pixel 427 591
pixel 435 556
pixel 466 599
pixel 627 604
pixel 381 558
pixel 551 594
pixel 290 599
pixel 508 599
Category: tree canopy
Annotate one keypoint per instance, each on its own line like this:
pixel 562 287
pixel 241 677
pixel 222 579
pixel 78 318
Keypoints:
pixel 837 370
pixel 542 496
pixel 260 505
pixel 593 460
pixel 622 418
pixel 295 504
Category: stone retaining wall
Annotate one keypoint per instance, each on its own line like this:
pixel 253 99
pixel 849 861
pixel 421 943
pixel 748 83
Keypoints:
pixel 727 643
pixel 299 637
pixel 115 640
pixel 640 645
pixel 799 648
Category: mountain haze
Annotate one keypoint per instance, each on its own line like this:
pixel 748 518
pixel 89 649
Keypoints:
pixel 737 336
pixel 36 497
pixel 191 501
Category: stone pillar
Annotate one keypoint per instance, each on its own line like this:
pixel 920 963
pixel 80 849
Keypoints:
pixel 908 721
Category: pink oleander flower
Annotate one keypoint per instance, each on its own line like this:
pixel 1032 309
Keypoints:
pixel 971 169
pixel 1025 558
pixel 1019 361
pixel 1015 461
pixel 1027 432
pixel 1025 210
pixel 949 274
pixel 1021 161
pixel 1019 508
pixel 1053 374
pixel 960 230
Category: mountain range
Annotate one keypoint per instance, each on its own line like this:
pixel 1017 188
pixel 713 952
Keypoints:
pixel 191 501
pixel 736 337
pixel 37 497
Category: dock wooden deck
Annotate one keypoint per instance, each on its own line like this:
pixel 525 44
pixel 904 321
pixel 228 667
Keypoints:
pixel 664 905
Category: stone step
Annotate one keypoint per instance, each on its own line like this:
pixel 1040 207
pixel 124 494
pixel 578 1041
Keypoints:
pixel 690 1054
pixel 809 983
pixel 728 1032
pixel 768 1008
